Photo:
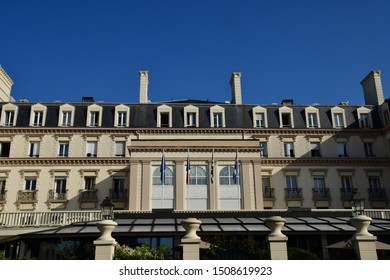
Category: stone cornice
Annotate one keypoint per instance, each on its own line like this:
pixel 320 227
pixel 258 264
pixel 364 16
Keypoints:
pixel 62 162
pixel 185 130
pixel 326 161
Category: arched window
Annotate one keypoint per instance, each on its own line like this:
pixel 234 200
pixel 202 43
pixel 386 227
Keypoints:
pixel 198 175
pixel 168 176
pixel 226 176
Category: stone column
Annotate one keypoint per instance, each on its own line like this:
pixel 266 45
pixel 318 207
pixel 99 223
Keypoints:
pixel 277 241
pixel 191 241
pixel 364 242
pixel 105 244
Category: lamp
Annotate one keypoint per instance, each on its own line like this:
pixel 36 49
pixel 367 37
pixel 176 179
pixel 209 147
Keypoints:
pixel 107 209
pixel 357 205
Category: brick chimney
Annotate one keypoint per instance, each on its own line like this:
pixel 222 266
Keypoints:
pixel 372 88
pixel 5 86
pixel 235 83
pixel 143 86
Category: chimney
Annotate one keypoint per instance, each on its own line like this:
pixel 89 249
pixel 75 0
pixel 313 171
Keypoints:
pixel 143 86
pixel 5 86
pixel 372 88
pixel 235 83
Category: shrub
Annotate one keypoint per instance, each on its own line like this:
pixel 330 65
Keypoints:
pixel 143 252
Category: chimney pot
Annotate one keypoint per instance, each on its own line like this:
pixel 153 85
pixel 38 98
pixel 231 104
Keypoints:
pixel 143 87
pixel 235 83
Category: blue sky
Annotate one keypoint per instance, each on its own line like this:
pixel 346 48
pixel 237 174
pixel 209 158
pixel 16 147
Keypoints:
pixel 309 51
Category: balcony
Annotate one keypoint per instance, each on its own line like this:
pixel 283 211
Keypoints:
pixel 293 194
pixel 88 198
pixel 321 194
pixel 268 193
pixel 377 194
pixel 3 199
pixel 119 199
pixel 26 200
pixel 347 195
pixel 57 200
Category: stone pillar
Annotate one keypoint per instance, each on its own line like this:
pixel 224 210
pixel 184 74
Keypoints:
pixel 364 242
pixel 105 244
pixel 277 241
pixel 191 241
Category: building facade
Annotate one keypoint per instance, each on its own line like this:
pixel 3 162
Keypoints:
pixel 192 155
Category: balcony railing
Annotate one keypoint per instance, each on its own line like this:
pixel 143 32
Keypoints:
pixel 88 194
pixel 321 194
pixel 347 195
pixel 53 195
pixel 27 196
pixel 293 193
pixel 377 194
pixel 115 195
pixel 268 193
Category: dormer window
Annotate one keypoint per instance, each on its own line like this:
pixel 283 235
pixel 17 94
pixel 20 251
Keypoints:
pixel 94 116
pixel 286 117
pixel 164 116
pixel 38 115
pixel 191 116
pixel 338 117
pixel 259 115
pixel 312 120
pixel 66 116
pixel 122 116
pixel 8 115
pixel 364 117
pixel 217 116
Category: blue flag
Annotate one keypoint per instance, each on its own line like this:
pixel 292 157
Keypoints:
pixel 163 167
pixel 235 171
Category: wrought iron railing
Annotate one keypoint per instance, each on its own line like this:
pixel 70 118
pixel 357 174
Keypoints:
pixel 377 194
pixel 347 195
pixel 268 192
pixel 3 195
pixel 88 194
pixel 118 195
pixel 293 193
pixel 53 195
pixel 321 193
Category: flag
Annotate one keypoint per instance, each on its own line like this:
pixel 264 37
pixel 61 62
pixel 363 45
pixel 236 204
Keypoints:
pixel 163 166
pixel 188 170
pixel 235 171
pixel 212 168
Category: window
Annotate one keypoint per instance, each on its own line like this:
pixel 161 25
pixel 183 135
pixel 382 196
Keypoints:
pixel 369 152
pixel 91 148
pixel 217 120
pixel 168 176
pixel 191 119
pixel 63 149
pixel 319 187
pixel 119 188
pixel 259 120
pixel 375 187
pixel 9 118
pixel 286 119
pixel 312 120
pixel 191 116
pixel 122 119
pixel 197 189
pixel 34 149
pixel 342 149
pixel 266 184
pixel 217 116
pixel 164 118
pixel 163 194
pixel 90 183
pixel 66 118
pixel 2 189
pixel 122 116
pixel 347 190
pixel 38 118
pixel 338 120
pixel 264 149
pixel 363 121
pixel 120 148
pixel 5 149
pixel 30 184
pixel 291 186
pixel 66 115
pixel 289 149
pixel 94 119
pixel 226 176
pixel 60 188
pixel 229 189
pixel 315 149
